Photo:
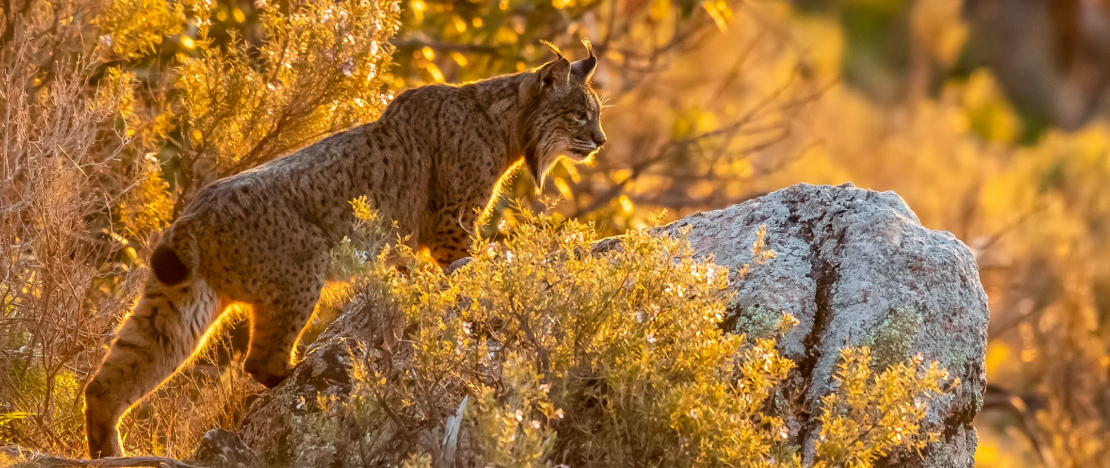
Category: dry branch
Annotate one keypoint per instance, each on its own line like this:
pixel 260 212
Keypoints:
pixel 51 461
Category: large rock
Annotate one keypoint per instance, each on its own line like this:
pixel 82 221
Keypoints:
pixel 852 265
pixel 856 267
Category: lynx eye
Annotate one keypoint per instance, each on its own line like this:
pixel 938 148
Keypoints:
pixel 580 117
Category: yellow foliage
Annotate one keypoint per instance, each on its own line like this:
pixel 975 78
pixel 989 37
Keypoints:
pixel 867 415
pixel 322 70
pixel 719 11
pixel 148 207
pixel 937 25
pixel 133 28
pixel 988 112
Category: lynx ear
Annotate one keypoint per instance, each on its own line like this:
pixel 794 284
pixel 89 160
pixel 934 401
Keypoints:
pixel 582 70
pixel 554 73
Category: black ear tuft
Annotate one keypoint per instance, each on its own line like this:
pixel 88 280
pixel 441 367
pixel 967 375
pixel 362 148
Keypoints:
pixel 167 266
pixel 554 48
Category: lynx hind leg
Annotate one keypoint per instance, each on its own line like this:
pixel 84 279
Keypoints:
pixel 276 325
pixel 150 345
pixel 450 240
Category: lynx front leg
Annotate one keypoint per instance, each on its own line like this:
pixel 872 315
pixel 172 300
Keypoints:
pixel 275 328
pixel 151 344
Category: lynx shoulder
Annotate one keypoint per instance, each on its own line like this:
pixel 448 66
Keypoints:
pixel 262 237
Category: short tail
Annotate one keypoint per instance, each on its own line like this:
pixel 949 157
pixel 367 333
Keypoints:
pixel 174 260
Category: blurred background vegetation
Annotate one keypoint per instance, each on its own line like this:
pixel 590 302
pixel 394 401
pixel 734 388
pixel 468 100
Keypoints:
pixel 989 117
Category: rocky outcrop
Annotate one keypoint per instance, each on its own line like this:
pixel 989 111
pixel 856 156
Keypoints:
pixel 855 267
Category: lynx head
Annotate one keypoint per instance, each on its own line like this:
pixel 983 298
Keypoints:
pixel 565 120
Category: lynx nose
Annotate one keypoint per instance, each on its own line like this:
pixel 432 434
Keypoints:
pixel 599 137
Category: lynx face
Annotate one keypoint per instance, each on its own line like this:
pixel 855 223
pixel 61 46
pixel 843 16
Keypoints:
pixel 568 117
pixel 576 133
pixel 583 124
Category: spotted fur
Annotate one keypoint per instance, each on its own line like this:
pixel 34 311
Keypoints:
pixel 262 237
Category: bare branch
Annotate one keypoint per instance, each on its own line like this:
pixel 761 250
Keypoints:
pixel 112 462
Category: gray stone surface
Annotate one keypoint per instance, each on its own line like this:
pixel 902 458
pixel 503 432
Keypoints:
pixel 856 267
pixel 224 449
